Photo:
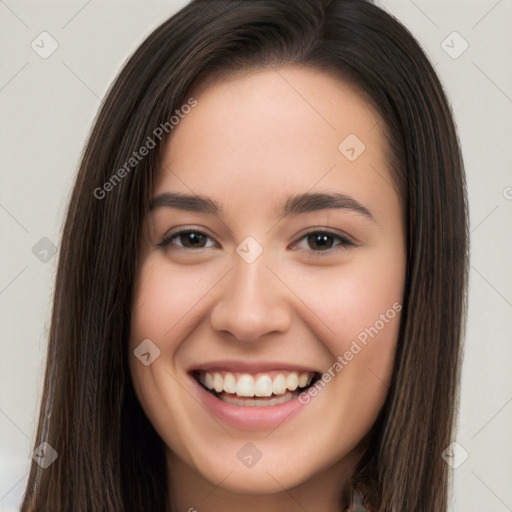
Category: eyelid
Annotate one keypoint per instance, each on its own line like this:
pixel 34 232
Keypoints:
pixel 345 240
pixel 173 233
pixel 328 231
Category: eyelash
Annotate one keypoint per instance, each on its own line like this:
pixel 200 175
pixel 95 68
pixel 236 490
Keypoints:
pixel 343 241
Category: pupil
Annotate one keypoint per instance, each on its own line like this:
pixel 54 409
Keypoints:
pixel 322 241
pixel 192 239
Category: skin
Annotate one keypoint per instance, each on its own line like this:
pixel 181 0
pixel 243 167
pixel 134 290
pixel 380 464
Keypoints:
pixel 253 140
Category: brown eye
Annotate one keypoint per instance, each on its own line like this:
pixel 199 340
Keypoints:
pixel 323 242
pixel 192 239
pixel 320 241
pixel 187 239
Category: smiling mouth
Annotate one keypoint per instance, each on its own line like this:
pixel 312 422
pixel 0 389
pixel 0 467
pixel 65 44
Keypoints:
pixel 255 390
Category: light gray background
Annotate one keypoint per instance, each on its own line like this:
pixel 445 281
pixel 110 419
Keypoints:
pixel 47 108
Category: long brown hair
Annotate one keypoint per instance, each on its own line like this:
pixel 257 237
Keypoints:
pixel 109 456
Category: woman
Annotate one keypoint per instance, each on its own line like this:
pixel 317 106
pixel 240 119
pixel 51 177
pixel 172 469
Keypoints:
pixel 261 289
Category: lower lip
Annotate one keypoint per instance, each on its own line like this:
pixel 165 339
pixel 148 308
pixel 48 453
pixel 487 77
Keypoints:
pixel 248 418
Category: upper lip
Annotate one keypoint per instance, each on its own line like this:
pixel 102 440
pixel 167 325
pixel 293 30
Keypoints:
pixel 250 367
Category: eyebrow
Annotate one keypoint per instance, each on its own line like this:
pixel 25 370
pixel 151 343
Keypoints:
pixel 296 204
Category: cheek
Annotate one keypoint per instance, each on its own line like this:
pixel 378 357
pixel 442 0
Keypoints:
pixel 163 316
pixel 355 301
pixel 166 304
pixel 359 305
pixel 166 299
pixel 360 309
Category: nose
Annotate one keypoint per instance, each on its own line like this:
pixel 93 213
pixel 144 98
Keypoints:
pixel 252 302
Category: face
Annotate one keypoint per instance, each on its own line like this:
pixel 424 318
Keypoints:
pixel 272 297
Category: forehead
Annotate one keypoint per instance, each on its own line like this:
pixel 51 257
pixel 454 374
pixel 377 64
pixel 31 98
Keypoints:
pixel 280 129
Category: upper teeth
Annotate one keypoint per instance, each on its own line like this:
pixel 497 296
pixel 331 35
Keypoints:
pixel 261 384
